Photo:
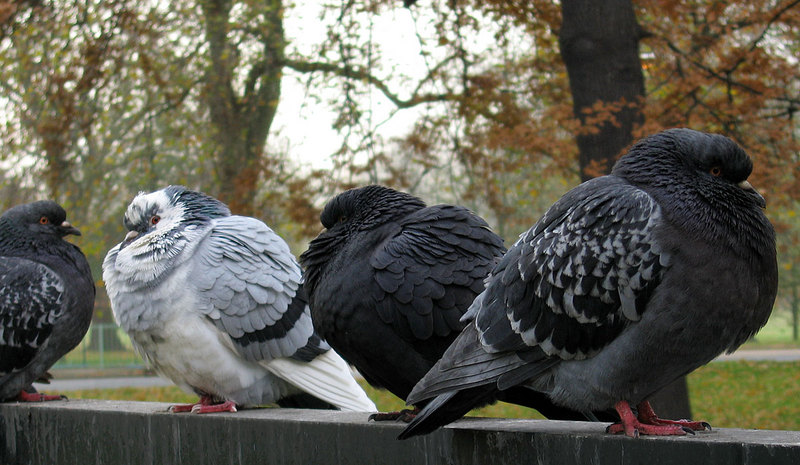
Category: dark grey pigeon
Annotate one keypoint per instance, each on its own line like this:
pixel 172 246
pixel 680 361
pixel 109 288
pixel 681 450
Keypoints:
pixel 626 283
pixel 389 280
pixel 46 296
pixel 214 302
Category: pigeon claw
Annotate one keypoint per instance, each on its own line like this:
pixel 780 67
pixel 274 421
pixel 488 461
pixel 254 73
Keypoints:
pixel 180 408
pixel 227 406
pixel 636 429
pixel 647 415
pixel 205 405
pixel 649 424
pixel 405 415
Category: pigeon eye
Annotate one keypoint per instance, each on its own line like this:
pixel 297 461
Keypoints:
pixel 155 219
pixel 715 171
pixel 44 220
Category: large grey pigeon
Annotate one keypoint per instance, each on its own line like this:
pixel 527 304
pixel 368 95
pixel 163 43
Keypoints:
pixel 626 283
pixel 389 280
pixel 214 302
pixel 46 296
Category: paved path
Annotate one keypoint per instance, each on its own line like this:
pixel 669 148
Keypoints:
pixel 778 355
pixel 66 385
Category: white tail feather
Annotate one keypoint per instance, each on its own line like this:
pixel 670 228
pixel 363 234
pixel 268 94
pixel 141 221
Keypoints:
pixel 327 377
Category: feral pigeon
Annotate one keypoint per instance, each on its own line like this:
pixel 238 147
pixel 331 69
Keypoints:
pixel 389 280
pixel 626 283
pixel 214 302
pixel 46 296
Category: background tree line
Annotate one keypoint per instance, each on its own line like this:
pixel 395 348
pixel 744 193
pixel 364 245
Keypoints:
pixel 513 102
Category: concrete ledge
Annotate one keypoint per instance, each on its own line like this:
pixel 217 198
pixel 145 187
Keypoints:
pixel 142 433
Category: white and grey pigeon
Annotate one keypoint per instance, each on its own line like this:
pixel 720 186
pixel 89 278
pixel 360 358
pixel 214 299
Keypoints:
pixel 46 296
pixel 214 302
pixel 626 283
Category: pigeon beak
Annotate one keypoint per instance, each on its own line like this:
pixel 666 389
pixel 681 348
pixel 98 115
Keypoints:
pixel 67 228
pixel 752 190
pixel 130 237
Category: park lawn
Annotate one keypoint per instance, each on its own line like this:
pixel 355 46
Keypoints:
pixel 747 394
pixel 738 394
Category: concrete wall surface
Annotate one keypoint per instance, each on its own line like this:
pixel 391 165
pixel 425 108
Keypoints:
pixel 89 432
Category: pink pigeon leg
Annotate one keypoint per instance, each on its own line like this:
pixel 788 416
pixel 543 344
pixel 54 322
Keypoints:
pixel 204 405
pixel 648 416
pixel 633 427
pixel 37 397
pixel 227 406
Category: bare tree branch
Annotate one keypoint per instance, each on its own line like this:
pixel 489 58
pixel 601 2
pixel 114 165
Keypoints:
pixel 361 74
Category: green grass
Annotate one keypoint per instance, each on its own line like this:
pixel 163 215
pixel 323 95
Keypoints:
pixel 81 357
pixel 776 334
pixel 747 394
pixel 741 394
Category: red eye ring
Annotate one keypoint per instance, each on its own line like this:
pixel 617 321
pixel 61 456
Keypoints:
pixel 44 220
pixel 155 219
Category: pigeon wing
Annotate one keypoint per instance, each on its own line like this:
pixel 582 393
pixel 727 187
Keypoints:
pixel 579 276
pixel 31 301
pixel 566 289
pixel 249 284
pixel 431 270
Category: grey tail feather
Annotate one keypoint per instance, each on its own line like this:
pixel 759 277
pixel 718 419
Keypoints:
pixel 314 347
pixel 449 407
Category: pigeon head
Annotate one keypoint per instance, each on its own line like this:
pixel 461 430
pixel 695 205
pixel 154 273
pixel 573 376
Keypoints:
pixel 40 220
pixel 349 213
pixel 170 209
pixel 702 180
pixel 368 207
pixel 713 164
pixel 161 225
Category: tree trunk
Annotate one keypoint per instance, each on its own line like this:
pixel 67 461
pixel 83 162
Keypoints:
pixel 242 122
pixel 599 42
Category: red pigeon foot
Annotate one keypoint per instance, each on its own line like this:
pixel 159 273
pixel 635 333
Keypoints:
pixel 227 406
pixel 205 405
pixel 180 408
pixel 648 423
pixel 37 397
pixel 647 415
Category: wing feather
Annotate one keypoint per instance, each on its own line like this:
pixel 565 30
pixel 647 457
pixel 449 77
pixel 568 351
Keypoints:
pixel 579 276
pixel 565 290
pixel 248 283
pixel 31 301
pixel 432 267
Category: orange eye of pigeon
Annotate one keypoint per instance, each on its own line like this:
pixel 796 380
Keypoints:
pixel 716 171
pixel 155 219
pixel 44 220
